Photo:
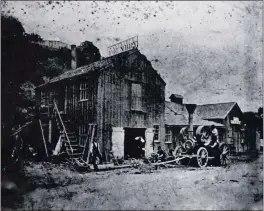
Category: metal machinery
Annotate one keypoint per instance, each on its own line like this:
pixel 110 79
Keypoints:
pixel 198 147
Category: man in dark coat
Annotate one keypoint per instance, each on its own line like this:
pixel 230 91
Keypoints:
pixel 161 154
pixel 95 154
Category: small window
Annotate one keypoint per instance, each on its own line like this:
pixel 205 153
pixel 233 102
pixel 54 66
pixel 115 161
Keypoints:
pixel 136 97
pixel 84 86
pixel 168 135
pixel 156 132
pixel 52 96
pixel 44 98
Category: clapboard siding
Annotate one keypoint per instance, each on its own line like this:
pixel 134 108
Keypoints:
pixel 108 103
pixel 114 102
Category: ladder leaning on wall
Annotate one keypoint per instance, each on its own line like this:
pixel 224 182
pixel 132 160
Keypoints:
pixel 84 160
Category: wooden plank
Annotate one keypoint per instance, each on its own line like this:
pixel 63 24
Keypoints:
pixel 21 128
pixel 91 143
pixel 103 167
pixel 86 144
pixel 43 138
pixel 50 130
pixel 66 98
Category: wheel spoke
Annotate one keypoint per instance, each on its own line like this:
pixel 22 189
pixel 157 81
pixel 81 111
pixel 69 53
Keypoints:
pixel 225 156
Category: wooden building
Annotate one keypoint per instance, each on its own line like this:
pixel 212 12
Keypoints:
pixel 177 117
pixel 227 117
pixel 122 94
pixel 230 115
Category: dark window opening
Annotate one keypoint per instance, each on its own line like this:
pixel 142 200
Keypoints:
pixel 156 132
pixel 84 87
pixel 133 147
pixel 168 135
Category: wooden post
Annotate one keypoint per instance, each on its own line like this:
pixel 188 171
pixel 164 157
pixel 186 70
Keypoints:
pixel 43 137
pixel 65 99
pixel 50 130
pixel 86 143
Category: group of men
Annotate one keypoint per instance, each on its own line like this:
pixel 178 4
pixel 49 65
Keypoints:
pixel 141 147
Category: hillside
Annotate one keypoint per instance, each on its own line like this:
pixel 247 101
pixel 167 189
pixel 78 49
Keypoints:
pixel 25 65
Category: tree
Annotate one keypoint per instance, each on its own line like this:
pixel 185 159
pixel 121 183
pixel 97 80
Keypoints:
pixel 23 61
pixel 34 37
pixel 52 62
pixel 18 66
pixel 87 53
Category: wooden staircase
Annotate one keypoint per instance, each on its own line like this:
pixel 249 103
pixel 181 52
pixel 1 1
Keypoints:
pixel 78 155
pixel 68 137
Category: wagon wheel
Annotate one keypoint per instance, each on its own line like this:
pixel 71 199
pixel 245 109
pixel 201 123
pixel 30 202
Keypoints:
pixel 178 154
pixel 224 157
pixel 202 157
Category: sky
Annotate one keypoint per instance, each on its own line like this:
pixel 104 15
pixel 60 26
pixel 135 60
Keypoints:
pixel 207 51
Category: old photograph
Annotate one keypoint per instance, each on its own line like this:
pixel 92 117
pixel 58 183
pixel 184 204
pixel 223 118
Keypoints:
pixel 132 105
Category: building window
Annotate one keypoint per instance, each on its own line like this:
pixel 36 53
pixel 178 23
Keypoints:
pixel 168 135
pixel 136 97
pixel 44 98
pixel 84 90
pixel 156 132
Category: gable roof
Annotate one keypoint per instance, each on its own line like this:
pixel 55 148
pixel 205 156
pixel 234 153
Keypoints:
pixel 177 115
pixel 101 65
pixel 214 111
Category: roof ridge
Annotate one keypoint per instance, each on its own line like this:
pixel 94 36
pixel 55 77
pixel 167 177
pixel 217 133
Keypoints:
pixel 216 103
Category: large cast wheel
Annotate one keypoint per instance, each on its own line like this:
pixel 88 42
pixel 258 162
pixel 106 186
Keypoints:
pixel 178 154
pixel 202 157
pixel 225 155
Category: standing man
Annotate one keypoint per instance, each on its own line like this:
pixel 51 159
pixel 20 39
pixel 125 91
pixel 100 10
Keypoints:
pixel 215 145
pixel 215 138
pixel 141 146
pixel 95 153
pixel 161 154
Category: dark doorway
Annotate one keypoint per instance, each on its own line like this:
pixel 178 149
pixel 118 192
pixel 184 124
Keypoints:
pixel 133 147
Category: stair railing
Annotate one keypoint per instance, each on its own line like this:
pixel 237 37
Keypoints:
pixel 63 126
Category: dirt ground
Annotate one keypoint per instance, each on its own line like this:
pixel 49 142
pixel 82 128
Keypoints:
pixel 239 187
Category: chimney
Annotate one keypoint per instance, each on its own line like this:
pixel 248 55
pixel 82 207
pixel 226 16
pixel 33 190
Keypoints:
pixel 176 99
pixel 74 64
pixel 190 108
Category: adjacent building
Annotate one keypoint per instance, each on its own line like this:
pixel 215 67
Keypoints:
pixel 54 44
pixel 230 115
pixel 176 118
pixel 227 117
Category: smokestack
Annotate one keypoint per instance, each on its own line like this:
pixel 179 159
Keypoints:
pixel 190 108
pixel 74 57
